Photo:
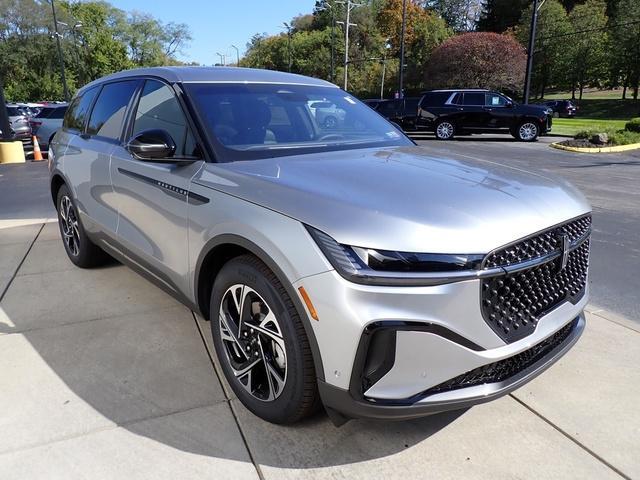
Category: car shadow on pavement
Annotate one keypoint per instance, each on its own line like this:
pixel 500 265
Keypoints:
pixel 84 351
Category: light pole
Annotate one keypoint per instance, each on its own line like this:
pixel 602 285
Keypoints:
pixel 402 32
pixel 532 41
pixel 347 23
pixel 223 59
pixel 237 55
pixel 327 5
pixel 57 35
pixel 288 28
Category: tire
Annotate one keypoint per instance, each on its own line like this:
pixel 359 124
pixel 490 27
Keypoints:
pixel 80 249
pixel 271 337
pixel 445 130
pixel 527 131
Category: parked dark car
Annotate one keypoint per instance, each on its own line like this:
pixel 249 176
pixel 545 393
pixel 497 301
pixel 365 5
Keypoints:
pixel 451 112
pixel 402 111
pixel 562 108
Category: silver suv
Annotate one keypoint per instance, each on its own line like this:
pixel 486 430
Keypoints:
pixel 339 266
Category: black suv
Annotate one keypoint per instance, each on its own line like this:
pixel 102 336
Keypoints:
pixel 448 112
pixel 402 111
pixel 564 108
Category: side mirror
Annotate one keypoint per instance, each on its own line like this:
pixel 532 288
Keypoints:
pixel 509 104
pixel 154 144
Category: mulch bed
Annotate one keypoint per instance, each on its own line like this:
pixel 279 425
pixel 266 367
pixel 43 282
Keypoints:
pixel 582 143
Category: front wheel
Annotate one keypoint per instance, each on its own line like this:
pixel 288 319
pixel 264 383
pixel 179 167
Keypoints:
pixel 80 249
pixel 261 343
pixel 445 130
pixel 527 131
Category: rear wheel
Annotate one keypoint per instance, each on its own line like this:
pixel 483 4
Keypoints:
pixel 261 343
pixel 80 249
pixel 445 130
pixel 527 131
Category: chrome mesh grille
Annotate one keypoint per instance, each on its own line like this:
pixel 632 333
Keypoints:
pixel 538 245
pixel 513 303
pixel 507 368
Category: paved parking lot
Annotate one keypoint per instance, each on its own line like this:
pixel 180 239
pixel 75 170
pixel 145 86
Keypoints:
pixel 105 376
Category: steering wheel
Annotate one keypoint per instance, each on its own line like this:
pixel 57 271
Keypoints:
pixel 331 136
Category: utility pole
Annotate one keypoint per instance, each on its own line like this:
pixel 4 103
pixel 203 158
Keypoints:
pixel 402 32
pixel 223 59
pixel 384 71
pixel 237 55
pixel 532 41
pixel 57 35
pixel 347 23
pixel 288 28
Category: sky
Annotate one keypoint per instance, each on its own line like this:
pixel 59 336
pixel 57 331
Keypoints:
pixel 217 24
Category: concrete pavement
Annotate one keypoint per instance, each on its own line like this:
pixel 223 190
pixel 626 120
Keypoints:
pixel 105 376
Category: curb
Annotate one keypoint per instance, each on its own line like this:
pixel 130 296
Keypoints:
pixel 617 148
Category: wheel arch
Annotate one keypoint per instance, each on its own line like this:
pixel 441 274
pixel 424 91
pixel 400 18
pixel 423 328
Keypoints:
pixel 217 252
pixel 57 180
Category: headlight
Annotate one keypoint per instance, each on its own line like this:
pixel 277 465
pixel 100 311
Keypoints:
pixel 384 267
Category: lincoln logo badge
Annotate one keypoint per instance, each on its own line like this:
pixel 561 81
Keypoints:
pixel 564 239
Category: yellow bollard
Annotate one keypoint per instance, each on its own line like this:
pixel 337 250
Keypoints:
pixel 11 152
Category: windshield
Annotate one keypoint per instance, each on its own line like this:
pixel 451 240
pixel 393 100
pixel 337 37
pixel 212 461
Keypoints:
pixel 251 121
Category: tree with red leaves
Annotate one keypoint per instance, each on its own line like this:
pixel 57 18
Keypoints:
pixel 478 60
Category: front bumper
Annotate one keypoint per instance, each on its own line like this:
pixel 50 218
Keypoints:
pixel 352 404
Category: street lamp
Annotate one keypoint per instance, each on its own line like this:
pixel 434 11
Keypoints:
pixel 237 55
pixel 223 59
pixel 288 28
pixel 401 72
pixel 57 35
pixel 350 6
pixel 330 6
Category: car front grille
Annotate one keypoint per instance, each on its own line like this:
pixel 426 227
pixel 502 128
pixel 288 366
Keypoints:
pixel 504 369
pixel 534 282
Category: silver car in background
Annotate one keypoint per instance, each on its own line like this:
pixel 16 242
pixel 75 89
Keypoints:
pixel 47 122
pixel 340 266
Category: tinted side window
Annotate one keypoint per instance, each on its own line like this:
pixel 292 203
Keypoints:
pixel 495 100
pixel 159 108
pixel 108 113
pixel 58 112
pixel 79 109
pixel 473 98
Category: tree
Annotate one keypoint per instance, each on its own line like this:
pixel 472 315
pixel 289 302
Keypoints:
pixel 501 15
pixel 625 45
pixel 460 15
pixel 587 50
pixel 551 60
pixel 478 60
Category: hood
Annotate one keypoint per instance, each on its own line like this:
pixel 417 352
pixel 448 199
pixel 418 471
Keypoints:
pixel 402 198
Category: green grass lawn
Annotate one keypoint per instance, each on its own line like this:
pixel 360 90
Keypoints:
pixel 571 126
pixel 596 107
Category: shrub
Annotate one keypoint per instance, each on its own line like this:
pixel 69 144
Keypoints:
pixel 616 137
pixel 624 137
pixel 633 125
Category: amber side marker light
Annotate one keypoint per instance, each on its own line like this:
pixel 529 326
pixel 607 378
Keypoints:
pixel 307 301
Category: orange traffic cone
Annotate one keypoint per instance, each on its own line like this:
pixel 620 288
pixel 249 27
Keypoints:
pixel 37 154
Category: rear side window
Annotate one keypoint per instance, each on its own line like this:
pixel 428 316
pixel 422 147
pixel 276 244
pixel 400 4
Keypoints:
pixel 495 100
pixel 58 112
pixel 78 110
pixel 108 113
pixel 158 108
pixel 473 98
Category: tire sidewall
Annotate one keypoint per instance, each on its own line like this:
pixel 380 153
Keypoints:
pixel 452 126
pixel 285 406
pixel 531 139
pixel 80 258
